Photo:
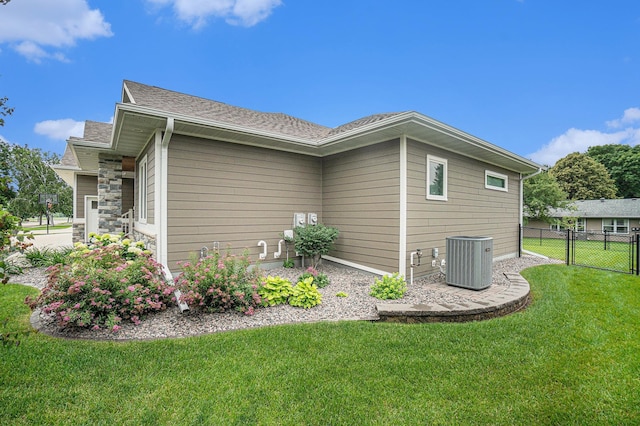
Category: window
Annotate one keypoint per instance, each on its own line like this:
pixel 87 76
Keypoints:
pixel 142 190
pixel 577 225
pixel 497 181
pixel 615 226
pixel 436 178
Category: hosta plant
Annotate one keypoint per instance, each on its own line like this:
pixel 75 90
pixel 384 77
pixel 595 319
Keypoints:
pixel 389 287
pixel 220 282
pixel 275 291
pixel 320 279
pixel 104 285
pixel 305 294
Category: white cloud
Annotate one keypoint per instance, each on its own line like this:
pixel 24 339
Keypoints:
pixel 235 12
pixel 631 115
pixel 577 140
pixel 60 129
pixel 38 29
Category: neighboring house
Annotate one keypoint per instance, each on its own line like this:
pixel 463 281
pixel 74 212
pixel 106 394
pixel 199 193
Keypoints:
pixel 199 172
pixel 617 216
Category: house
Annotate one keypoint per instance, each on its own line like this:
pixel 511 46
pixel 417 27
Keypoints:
pixel 613 216
pixel 198 173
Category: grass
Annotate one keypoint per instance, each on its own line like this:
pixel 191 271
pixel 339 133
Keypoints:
pixel 570 358
pixel 588 253
pixel 44 227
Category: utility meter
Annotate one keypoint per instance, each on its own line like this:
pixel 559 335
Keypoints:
pixel 312 219
pixel 299 219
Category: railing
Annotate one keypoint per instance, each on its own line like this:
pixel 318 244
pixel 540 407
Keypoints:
pixel 127 223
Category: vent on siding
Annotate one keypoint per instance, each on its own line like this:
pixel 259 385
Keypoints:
pixel 469 262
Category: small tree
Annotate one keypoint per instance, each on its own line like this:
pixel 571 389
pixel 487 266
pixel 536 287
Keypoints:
pixel 314 241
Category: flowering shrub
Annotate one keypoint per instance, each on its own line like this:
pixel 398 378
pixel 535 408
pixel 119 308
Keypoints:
pixel 275 291
pixel 105 283
pixel 220 282
pixel 320 279
pixel 305 294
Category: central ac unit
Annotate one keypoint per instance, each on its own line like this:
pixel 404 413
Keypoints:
pixel 469 262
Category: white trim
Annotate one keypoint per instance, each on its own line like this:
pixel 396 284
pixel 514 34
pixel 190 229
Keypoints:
pixel 161 192
pixel 493 174
pixel 75 195
pixel 444 162
pixel 402 261
pixel 355 265
pixel 148 229
pixel 143 189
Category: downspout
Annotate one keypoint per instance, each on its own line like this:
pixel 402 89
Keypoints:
pixel 162 227
pixel 402 261
pixel 521 207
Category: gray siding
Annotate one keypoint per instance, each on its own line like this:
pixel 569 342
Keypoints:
pixel 361 198
pixel 236 195
pixel 85 185
pixel 471 209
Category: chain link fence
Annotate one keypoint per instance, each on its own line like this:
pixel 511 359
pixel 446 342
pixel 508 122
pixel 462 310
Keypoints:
pixel 602 250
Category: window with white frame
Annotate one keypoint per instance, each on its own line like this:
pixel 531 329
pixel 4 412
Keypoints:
pixel 436 178
pixel 615 226
pixel 496 181
pixel 142 190
pixel 578 224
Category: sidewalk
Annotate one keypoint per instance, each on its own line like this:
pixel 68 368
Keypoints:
pixel 55 238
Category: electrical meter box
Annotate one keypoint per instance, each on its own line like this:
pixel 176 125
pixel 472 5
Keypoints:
pixel 312 218
pixel 299 219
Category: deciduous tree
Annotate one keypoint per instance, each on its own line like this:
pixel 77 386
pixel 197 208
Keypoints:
pixel 623 164
pixel 542 193
pixel 583 178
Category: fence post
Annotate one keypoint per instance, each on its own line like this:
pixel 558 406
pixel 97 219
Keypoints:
pixel 605 239
pixel 520 240
pixel 637 254
pixel 568 246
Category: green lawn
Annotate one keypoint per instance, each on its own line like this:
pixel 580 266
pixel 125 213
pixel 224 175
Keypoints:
pixel 570 358
pixel 589 253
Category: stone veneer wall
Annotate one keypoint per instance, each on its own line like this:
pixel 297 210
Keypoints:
pixel 78 233
pixel 149 241
pixel 109 194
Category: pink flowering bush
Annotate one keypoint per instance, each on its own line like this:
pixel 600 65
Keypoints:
pixel 103 285
pixel 219 283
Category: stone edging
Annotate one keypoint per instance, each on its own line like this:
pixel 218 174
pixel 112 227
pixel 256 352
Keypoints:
pixel 515 297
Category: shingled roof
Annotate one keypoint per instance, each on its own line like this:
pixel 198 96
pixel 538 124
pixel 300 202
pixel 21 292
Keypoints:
pixel 279 123
pixel 603 208
pixel 97 132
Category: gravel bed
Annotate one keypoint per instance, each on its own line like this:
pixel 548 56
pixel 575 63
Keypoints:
pixel 358 305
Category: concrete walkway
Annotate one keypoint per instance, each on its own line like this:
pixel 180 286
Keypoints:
pixel 494 301
pixel 55 238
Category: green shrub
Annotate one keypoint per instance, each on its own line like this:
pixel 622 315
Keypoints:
pixel 47 256
pixel 305 294
pixel 341 294
pixel 104 285
pixel 220 282
pixel 11 239
pixel 320 279
pixel 289 263
pixel 314 241
pixel 275 291
pixel 389 287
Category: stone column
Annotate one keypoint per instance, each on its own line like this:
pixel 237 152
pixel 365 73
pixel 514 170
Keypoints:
pixel 109 194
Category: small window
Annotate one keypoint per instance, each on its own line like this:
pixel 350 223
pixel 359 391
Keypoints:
pixel 436 178
pixel 615 226
pixel 496 181
pixel 142 190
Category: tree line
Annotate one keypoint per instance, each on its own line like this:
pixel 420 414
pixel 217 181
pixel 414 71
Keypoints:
pixel 25 173
pixel 604 171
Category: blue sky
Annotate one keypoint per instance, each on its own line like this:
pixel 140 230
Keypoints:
pixel 541 78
